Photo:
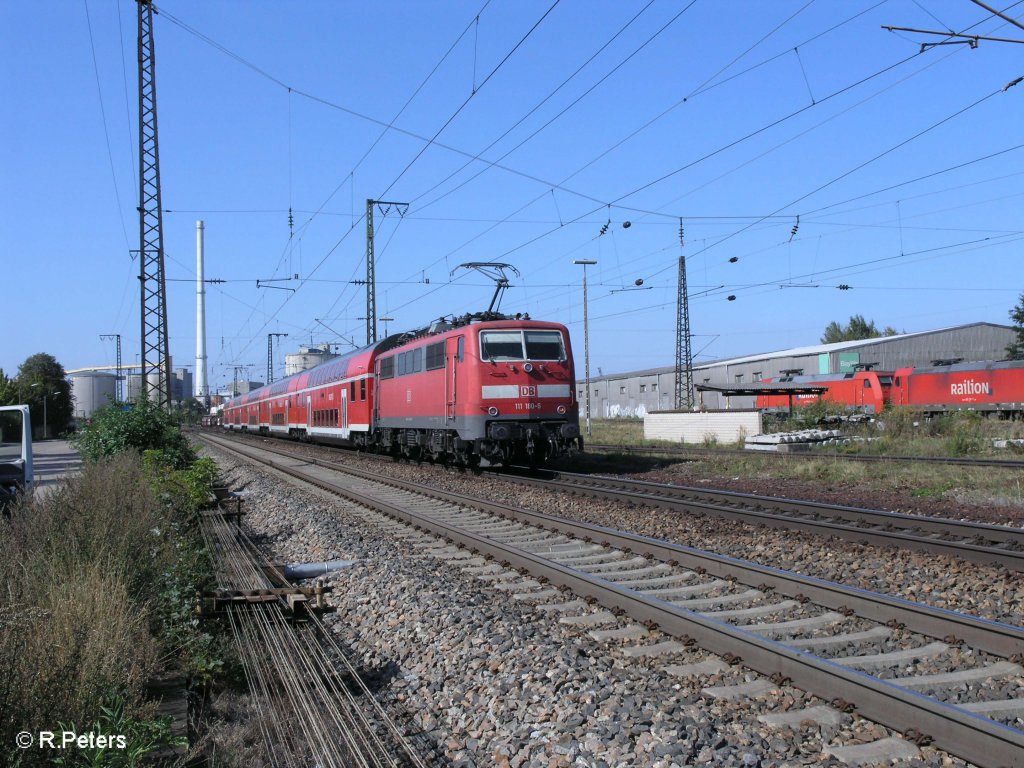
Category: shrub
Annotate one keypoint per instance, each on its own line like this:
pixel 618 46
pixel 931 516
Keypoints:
pixel 142 426
pixel 99 581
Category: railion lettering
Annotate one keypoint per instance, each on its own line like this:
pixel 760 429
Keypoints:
pixel 970 387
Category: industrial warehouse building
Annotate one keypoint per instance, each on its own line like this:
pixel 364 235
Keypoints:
pixel 634 394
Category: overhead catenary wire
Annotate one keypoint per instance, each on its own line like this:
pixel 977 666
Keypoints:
pixel 552 189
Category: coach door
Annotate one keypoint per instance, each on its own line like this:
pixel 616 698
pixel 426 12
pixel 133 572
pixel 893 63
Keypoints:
pixel 344 411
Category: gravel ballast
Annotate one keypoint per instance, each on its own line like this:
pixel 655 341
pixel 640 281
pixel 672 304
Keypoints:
pixel 492 680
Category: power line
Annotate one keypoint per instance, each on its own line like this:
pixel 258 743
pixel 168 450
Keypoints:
pixel 106 133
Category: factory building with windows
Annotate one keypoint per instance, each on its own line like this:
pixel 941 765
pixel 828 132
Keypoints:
pixel 636 393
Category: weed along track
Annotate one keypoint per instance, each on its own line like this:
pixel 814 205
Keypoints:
pixel 765 664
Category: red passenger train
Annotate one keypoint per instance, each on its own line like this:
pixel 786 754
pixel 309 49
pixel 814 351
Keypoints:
pixel 994 387
pixel 483 388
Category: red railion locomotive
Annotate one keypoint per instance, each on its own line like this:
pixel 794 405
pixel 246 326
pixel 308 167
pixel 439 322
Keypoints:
pixel 862 391
pixel 995 387
pixel 480 389
pixel 991 387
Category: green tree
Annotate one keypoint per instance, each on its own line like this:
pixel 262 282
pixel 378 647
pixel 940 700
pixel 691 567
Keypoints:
pixel 1016 350
pixel 42 377
pixel 142 426
pixel 857 328
pixel 8 390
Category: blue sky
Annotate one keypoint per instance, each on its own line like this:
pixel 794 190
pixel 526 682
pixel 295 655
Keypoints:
pixel 516 131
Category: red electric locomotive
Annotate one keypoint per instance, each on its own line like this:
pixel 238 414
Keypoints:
pixel 863 391
pixel 483 388
pixel 989 386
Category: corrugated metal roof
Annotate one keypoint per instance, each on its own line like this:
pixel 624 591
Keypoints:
pixel 815 349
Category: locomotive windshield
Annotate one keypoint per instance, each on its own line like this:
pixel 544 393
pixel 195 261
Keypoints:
pixel 521 345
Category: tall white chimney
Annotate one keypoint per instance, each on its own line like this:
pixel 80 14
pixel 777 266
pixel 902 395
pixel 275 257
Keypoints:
pixel 202 387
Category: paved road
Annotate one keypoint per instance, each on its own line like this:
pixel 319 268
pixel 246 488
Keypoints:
pixel 53 460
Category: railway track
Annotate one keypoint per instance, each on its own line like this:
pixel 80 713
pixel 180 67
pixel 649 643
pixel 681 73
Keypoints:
pixel 975 542
pixel 311 701
pixel 842 644
pixel 819 453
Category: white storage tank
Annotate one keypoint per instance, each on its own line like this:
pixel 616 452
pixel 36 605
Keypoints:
pixel 306 358
pixel 90 391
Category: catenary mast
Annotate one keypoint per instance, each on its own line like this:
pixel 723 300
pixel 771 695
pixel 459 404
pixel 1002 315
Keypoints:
pixel 156 359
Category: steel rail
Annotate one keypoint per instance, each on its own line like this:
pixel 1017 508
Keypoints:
pixel 934 535
pixel 997 638
pixel 817 453
pixel 978 739
pixel 962 539
pixel 290 672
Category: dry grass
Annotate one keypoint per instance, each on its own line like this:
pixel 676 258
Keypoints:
pixel 903 434
pixel 74 625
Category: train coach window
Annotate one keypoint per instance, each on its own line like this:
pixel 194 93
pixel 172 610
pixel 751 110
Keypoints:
pixel 351 391
pixel 387 368
pixel 362 389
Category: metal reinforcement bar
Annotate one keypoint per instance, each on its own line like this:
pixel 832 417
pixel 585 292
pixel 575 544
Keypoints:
pixel 975 738
pixel 299 677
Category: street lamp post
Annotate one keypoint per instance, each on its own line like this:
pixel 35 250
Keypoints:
pixel 46 396
pixel 586 336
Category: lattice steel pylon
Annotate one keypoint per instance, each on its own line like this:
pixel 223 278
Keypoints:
pixel 270 355
pixel 371 263
pixel 684 355
pixel 156 359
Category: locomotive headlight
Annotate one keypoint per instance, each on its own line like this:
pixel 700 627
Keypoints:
pixel 528 367
pixel 560 409
pixel 492 411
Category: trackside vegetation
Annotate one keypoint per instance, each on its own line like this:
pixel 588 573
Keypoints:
pixel 100 578
pixel 898 432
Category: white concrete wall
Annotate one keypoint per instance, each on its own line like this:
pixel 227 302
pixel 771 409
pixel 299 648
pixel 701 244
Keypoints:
pixel 699 427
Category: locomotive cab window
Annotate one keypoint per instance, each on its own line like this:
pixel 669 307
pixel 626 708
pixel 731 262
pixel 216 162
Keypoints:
pixel 499 346
pixel 544 345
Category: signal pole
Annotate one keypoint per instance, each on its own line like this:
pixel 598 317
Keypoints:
pixel 117 377
pixel 156 356
pixel 684 355
pixel 270 355
pixel 371 280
